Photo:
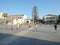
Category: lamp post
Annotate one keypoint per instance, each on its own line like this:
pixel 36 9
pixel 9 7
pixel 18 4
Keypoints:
pixel 12 23
pixel 33 19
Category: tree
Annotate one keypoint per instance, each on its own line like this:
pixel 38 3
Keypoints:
pixel 35 15
pixel 58 21
pixel 4 15
pixel 59 17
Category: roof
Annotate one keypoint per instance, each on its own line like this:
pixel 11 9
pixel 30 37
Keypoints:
pixel 50 15
pixel 16 15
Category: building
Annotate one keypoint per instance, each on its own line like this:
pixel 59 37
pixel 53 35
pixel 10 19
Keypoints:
pixel 1 18
pixel 19 18
pixel 1 15
pixel 50 19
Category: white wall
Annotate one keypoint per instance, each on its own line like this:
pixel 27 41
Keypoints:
pixel 24 17
pixel 21 21
pixel 55 18
pixel 1 17
pixel 49 19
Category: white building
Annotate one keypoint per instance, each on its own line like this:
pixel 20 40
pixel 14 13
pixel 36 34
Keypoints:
pixel 50 18
pixel 1 17
pixel 21 18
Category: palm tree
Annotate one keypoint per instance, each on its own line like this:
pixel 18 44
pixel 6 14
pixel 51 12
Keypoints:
pixel 4 15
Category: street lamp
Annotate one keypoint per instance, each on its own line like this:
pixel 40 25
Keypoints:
pixel 33 19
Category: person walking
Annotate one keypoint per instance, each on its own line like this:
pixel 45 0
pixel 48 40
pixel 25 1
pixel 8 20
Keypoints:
pixel 55 26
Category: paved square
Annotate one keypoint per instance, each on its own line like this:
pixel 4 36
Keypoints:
pixel 40 35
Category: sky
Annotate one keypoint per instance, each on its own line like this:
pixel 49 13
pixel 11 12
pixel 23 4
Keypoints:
pixel 44 7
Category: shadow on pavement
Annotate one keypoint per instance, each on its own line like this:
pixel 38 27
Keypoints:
pixel 2 36
pixel 32 41
pixel 28 41
pixel 40 31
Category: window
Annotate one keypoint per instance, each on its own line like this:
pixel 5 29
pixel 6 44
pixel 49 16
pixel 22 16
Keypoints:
pixel 20 17
pixel 50 18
